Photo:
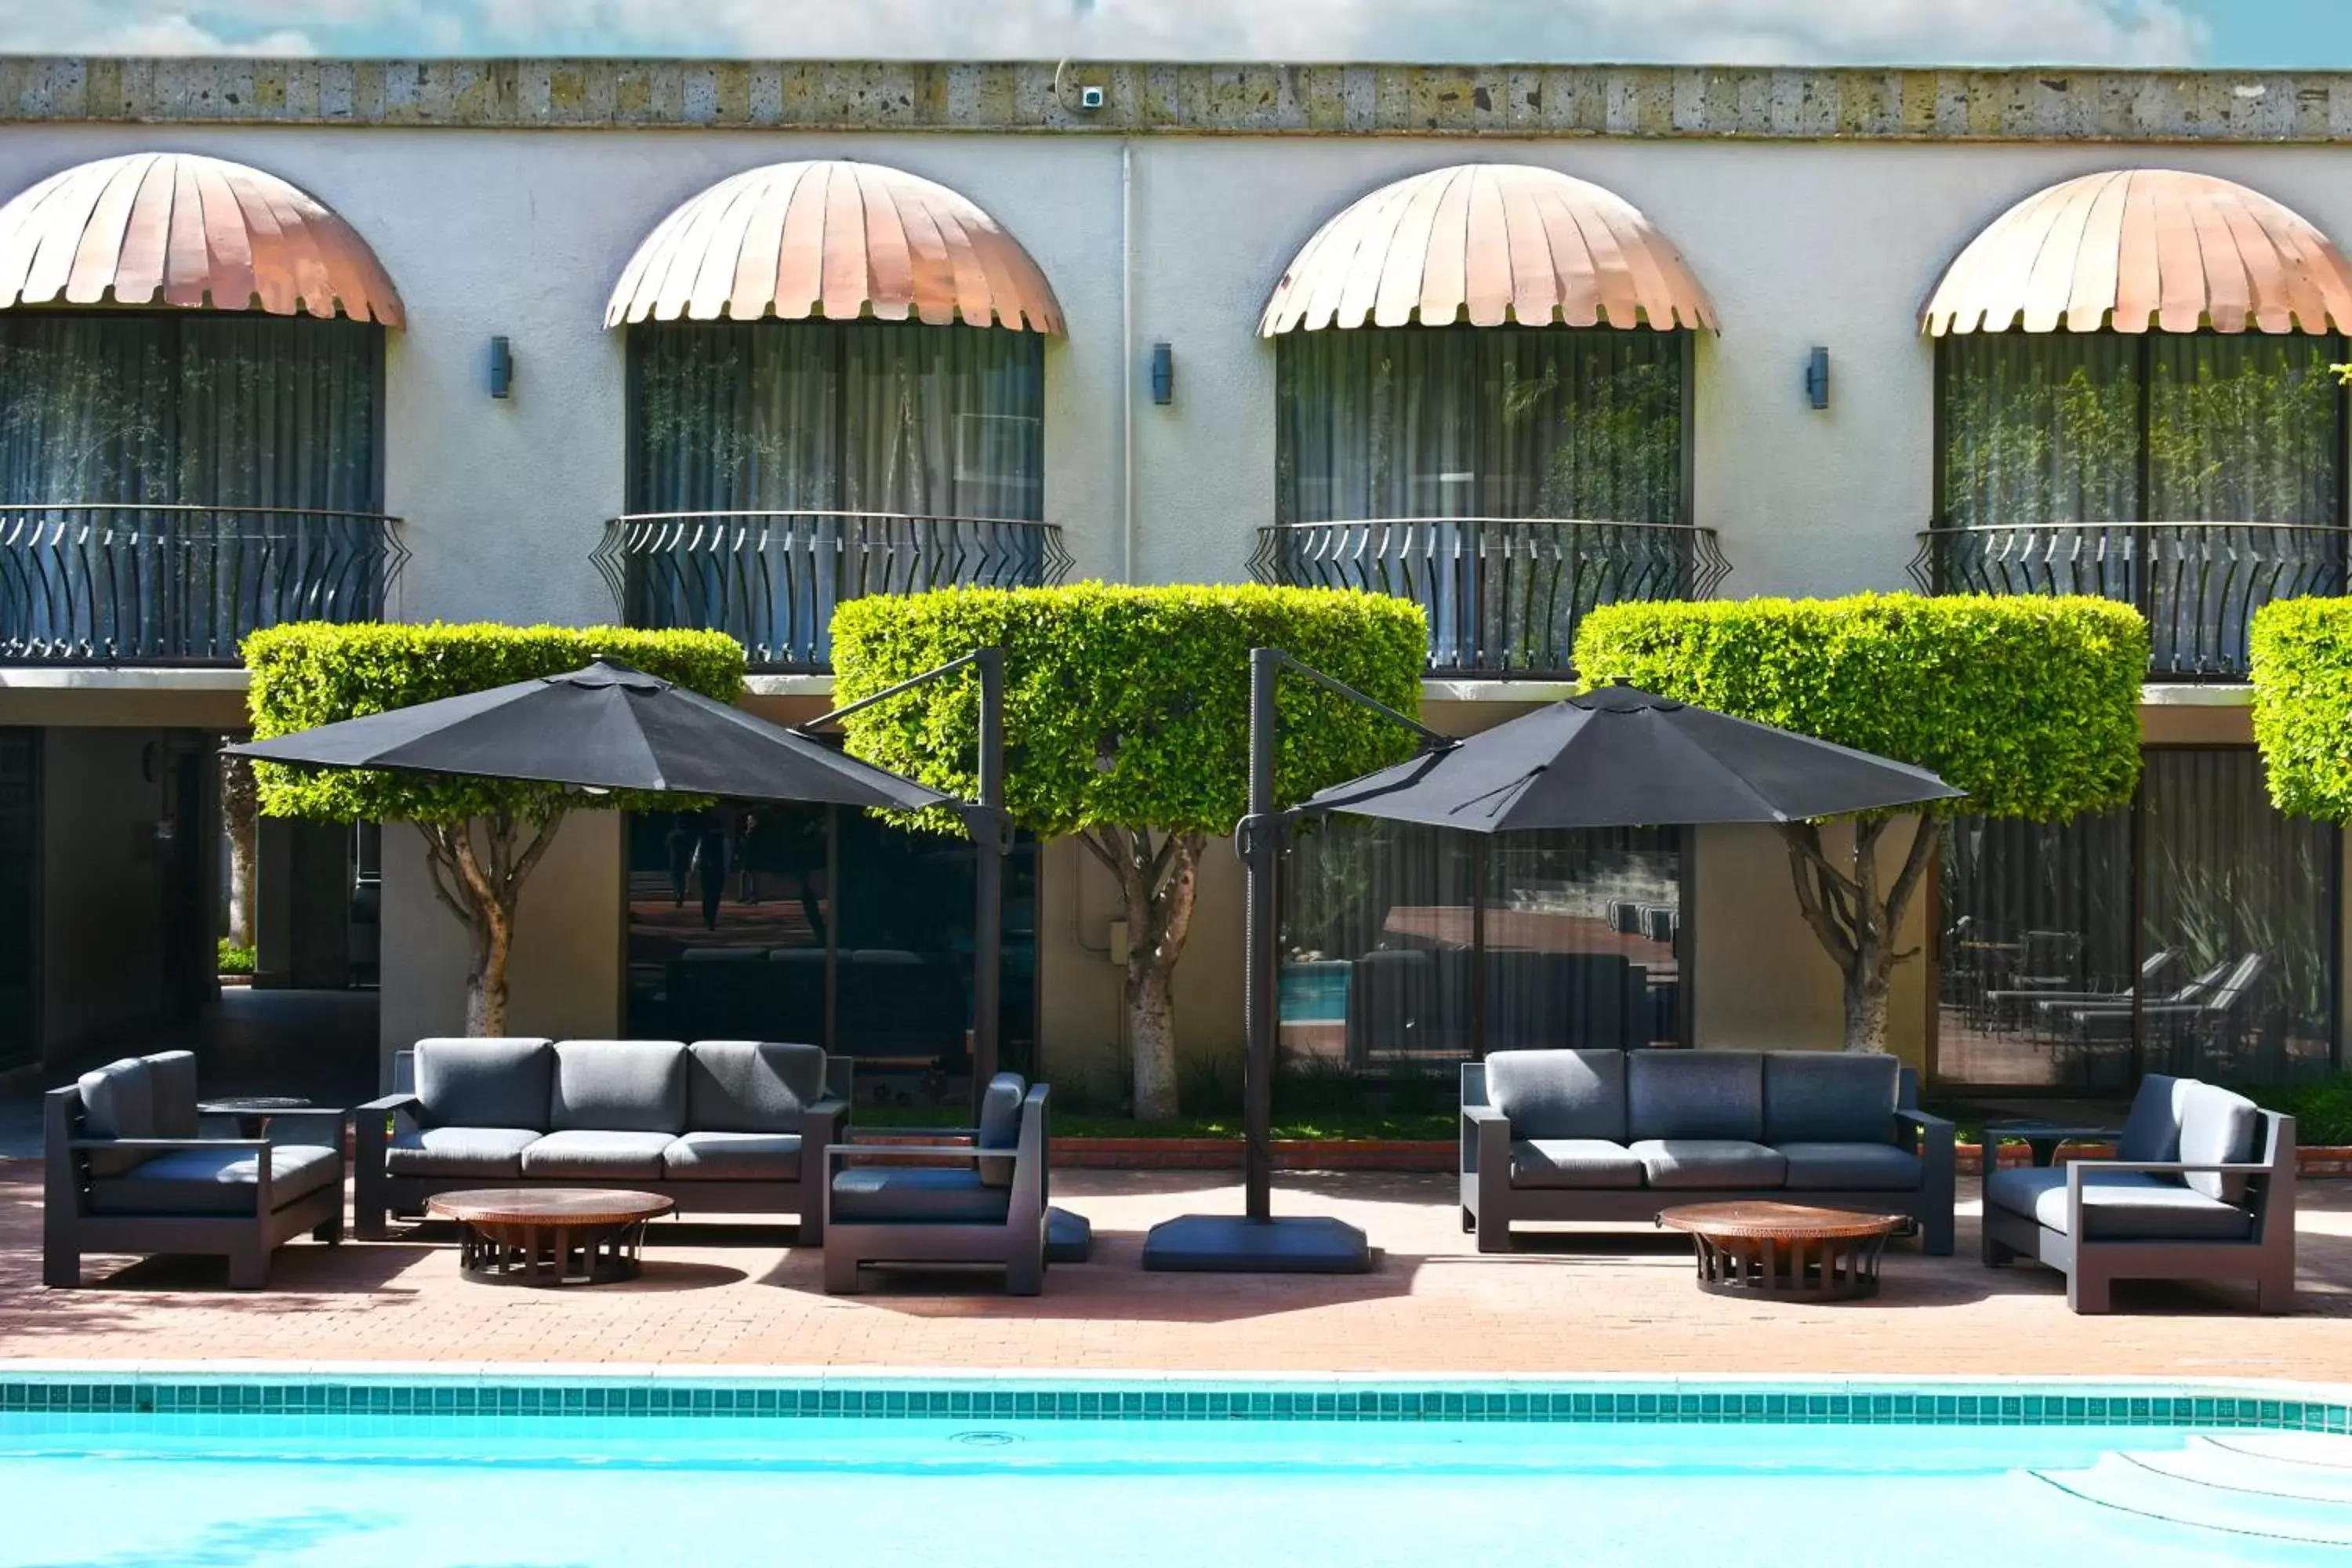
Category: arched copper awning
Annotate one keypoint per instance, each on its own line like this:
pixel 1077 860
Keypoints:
pixel 1495 243
pixel 2136 249
pixel 835 239
pixel 175 228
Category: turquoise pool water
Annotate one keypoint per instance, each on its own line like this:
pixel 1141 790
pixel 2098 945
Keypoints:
pixel 130 1486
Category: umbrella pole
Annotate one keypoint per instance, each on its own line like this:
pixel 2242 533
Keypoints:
pixel 1478 873
pixel 831 929
pixel 1261 943
pixel 993 842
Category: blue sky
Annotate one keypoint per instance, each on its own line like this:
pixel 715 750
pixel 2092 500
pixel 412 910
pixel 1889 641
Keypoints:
pixel 2308 34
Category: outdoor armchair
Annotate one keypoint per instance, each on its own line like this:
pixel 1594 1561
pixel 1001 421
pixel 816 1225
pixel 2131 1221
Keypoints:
pixel 125 1170
pixel 2202 1188
pixel 969 1195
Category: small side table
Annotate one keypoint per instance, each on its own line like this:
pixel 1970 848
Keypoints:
pixel 2042 1137
pixel 252 1111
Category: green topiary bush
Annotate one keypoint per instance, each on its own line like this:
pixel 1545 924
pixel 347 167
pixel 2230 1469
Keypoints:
pixel 482 836
pixel 2031 704
pixel 2303 704
pixel 1127 725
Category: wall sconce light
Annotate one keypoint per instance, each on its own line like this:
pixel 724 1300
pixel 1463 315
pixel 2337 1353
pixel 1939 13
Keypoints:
pixel 1816 378
pixel 501 367
pixel 1163 375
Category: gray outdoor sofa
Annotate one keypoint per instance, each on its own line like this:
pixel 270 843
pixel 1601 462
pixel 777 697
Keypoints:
pixel 2201 1187
pixel 1604 1135
pixel 717 1126
pixel 962 1196
pixel 127 1171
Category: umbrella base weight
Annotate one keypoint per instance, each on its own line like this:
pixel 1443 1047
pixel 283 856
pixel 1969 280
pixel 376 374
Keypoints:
pixel 1069 1239
pixel 1230 1244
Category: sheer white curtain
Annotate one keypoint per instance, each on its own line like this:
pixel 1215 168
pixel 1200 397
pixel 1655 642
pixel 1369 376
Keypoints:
pixel 106 418
pixel 918 427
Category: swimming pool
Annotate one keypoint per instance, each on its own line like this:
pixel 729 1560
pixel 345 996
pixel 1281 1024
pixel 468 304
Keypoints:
pixel 343 1468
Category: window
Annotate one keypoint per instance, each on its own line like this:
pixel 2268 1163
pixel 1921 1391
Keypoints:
pixel 1582 929
pixel 875 416
pixel 2194 933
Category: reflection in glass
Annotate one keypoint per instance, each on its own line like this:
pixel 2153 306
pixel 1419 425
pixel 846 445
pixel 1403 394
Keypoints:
pixel 1581 929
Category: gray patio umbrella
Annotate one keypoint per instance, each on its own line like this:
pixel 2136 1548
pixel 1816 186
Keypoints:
pixel 1622 757
pixel 610 726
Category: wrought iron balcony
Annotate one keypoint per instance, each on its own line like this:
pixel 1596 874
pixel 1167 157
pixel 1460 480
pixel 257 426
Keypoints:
pixel 1504 595
pixel 2198 584
pixel 134 583
pixel 771 579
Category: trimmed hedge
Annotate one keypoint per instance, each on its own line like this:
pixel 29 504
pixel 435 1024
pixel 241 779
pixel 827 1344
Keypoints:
pixel 1129 706
pixel 2028 703
pixel 2303 704
pixel 312 673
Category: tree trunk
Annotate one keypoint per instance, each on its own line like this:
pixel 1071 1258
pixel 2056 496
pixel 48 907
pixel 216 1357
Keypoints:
pixel 238 819
pixel 1856 920
pixel 477 866
pixel 1156 883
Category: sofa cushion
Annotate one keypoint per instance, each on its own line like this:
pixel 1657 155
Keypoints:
pixel 118 1100
pixel 733 1157
pixel 2217 1128
pixel 1573 1163
pixel 2152 1131
pixel 1726 1164
pixel 216 1181
pixel 751 1085
pixel 2119 1206
pixel 1550 1095
pixel 1830 1097
pixel 1695 1094
pixel 459 1151
pixel 171 1086
pixel 1000 1127
pixel 484 1082
pixel 618 1086
pixel 604 1154
pixel 1851 1167
pixel 883 1195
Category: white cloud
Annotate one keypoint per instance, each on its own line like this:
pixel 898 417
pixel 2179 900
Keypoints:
pixel 2116 32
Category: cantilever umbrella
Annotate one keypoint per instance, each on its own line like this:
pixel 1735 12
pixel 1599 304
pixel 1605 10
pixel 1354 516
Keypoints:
pixel 610 727
pixel 1622 757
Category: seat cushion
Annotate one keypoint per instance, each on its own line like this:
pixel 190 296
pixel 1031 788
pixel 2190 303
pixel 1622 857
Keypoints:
pixel 2119 1205
pixel 1704 1095
pixel 922 1195
pixel 733 1157
pixel 751 1085
pixel 1573 1163
pixel 484 1082
pixel 1830 1097
pixel 2217 1128
pixel 1554 1095
pixel 460 1152
pixel 618 1086
pixel 118 1100
pixel 171 1086
pixel 607 1155
pixel 2152 1131
pixel 1000 1127
pixel 1851 1167
pixel 216 1181
pixel 1720 1163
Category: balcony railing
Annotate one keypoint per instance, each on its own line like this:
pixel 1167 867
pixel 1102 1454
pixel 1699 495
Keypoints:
pixel 2198 584
pixel 1504 595
pixel 133 582
pixel 771 579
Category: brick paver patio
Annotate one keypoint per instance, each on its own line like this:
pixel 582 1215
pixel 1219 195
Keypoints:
pixel 1619 1301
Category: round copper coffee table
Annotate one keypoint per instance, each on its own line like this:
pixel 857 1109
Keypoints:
pixel 1785 1249
pixel 549 1235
